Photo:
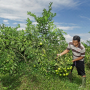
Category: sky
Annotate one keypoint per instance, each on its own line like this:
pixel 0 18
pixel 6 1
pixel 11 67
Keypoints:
pixel 72 16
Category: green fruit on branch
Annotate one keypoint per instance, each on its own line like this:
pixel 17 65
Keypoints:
pixel 67 68
pixel 40 43
pixel 68 60
pixel 67 74
pixel 56 64
pixel 34 66
pixel 56 70
pixel 71 67
pixel 60 74
pixel 64 74
pixel 59 69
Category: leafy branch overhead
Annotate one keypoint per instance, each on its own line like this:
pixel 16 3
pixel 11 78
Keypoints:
pixel 43 21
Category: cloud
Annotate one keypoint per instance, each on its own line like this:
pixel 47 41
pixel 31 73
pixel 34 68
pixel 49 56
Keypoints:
pixel 14 23
pixel 85 17
pixel 17 9
pixel 56 23
pixel 5 21
pixel 22 26
pixel 84 36
pixel 89 39
pixel 20 29
pixel 69 37
pixel 34 23
pixel 68 27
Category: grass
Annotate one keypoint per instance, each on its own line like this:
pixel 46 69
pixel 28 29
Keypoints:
pixel 36 81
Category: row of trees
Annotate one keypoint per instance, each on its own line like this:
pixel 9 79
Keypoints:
pixel 36 45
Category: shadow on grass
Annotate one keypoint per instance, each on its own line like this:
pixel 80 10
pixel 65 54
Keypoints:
pixel 13 82
pixel 10 82
pixel 77 80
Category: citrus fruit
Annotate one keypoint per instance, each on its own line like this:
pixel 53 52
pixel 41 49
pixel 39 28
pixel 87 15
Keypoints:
pixel 40 43
pixel 67 68
pixel 59 69
pixel 34 65
pixel 63 74
pixel 71 67
pixel 67 74
pixel 56 70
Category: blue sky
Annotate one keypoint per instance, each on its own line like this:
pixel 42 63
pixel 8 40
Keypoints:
pixel 72 16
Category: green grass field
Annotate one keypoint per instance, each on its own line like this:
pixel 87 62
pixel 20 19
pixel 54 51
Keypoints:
pixel 26 81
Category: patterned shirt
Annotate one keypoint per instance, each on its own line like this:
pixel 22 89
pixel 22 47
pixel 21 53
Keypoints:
pixel 76 51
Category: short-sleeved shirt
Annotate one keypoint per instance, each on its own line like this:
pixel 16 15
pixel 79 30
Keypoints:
pixel 76 51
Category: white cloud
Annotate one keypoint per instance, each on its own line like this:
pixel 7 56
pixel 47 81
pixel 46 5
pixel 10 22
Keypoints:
pixel 14 23
pixel 68 27
pixel 22 26
pixel 83 40
pixel 17 9
pixel 68 38
pixel 5 21
pixel 89 39
pixel 84 36
pixel 65 3
pixel 35 23
pixel 85 17
pixel 56 23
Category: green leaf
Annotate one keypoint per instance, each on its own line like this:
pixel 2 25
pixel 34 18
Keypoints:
pixel 7 43
pixel 12 42
pixel 45 18
pixel 22 48
pixel 15 64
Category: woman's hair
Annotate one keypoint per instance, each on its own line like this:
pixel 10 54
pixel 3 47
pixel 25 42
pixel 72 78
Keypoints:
pixel 76 37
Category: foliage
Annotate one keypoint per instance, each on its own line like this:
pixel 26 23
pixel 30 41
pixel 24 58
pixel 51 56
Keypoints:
pixel 37 45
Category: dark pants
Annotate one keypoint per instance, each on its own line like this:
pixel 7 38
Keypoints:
pixel 80 67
